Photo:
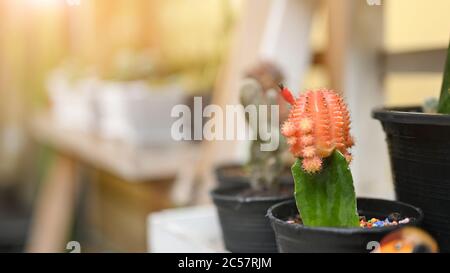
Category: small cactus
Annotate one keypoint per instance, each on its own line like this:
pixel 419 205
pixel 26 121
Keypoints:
pixel 318 123
pixel 260 88
pixel 318 133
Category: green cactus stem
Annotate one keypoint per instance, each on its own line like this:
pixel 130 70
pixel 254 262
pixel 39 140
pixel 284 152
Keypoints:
pixel 326 198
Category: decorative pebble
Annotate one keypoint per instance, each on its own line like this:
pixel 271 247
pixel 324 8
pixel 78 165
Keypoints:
pixel 378 224
pixel 394 217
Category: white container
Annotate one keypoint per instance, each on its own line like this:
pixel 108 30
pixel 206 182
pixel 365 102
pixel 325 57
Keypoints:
pixel 137 113
pixel 185 230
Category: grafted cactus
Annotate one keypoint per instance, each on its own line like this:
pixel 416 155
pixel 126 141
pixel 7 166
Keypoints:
pixel 318 124
pixel 318 133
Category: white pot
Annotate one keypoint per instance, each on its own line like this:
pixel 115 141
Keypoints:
pixel 136 112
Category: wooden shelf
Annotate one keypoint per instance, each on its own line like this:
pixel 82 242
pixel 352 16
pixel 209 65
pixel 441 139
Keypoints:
pixel 427 60
pixel 128 162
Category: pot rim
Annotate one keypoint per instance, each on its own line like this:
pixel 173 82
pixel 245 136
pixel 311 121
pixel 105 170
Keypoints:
pixel 228 164
pixel 232 164
pixel 217 194
pixel 410 115
pixel 340 230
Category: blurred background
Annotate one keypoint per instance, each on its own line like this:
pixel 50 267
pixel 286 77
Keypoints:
pixel 87 86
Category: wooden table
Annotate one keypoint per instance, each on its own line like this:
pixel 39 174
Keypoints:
pixel 55 204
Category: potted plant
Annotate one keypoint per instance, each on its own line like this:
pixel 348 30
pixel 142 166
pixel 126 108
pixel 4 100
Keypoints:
pixel 128 97
pixel 419 148
pixel 259 87
pixel 246 192
pixel 326 216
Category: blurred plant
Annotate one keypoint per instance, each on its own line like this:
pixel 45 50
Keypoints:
pixel 74 70
pixel 267 74
pixel 444 100
pixel 259 88
pixel 318 133
pixel 130 65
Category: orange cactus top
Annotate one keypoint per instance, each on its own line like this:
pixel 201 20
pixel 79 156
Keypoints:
pixel 318 123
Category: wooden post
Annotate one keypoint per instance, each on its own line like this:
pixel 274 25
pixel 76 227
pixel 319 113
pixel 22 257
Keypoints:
pixel 356 43
pixel 54 209
pixel 274 30
pixel 243 53
pixel 286 38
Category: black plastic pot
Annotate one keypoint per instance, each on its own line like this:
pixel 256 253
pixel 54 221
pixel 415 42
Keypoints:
pixel 232 174
pixel 296 238
pixel 419 149
pixel 245 227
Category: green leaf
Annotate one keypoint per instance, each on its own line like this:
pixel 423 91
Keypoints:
pixel 444 99
pixel 327 198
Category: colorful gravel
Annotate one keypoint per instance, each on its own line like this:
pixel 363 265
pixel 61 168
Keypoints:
pixel 393 219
